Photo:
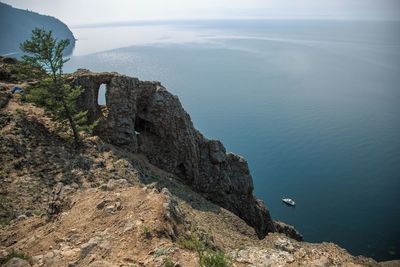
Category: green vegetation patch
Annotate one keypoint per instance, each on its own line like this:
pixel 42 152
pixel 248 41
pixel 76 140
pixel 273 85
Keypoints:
pixel 167 262
pixel 146 231
pixel 192 243
pixel 23 71
pixel 214 259
pixel 208 257
pixel 5 221
pixel 14 254
pixel 161 252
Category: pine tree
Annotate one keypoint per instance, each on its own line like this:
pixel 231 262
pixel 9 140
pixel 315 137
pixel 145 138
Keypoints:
pixel 53 93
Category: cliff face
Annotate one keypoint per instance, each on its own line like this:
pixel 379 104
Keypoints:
pixel 143 117
pixel 16 26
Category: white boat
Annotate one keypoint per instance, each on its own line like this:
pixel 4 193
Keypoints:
pixel 289 201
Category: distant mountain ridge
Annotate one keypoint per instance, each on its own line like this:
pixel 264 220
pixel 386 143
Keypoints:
pixel 16 26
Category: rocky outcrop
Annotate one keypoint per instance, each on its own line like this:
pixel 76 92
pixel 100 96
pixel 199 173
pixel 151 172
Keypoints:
pixel 13 72
pixel 286 252
pixel 143 117
pixel 4 98
pixel 288 230
pixel 17 262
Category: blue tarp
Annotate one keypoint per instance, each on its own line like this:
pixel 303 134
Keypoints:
pixel 17 89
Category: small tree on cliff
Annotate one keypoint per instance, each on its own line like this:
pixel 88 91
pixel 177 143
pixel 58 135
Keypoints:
pixel 52 93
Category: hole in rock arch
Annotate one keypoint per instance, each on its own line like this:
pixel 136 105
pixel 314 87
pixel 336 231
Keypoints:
pixel 181 169
pixel 144 126
pixel 101 96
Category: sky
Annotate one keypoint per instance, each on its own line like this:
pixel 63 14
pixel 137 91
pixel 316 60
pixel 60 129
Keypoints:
pixel 80 12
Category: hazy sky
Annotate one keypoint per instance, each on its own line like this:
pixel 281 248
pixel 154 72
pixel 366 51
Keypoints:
pixel 75 12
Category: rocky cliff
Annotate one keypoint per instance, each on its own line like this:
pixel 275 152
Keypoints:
pixel 143 117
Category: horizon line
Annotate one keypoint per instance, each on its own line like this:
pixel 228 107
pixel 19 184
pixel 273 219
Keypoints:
pixel 159 21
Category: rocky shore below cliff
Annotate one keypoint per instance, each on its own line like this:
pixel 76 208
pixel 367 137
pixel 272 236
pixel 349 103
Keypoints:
pixel 147 190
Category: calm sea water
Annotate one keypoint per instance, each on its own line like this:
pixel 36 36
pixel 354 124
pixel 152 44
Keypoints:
pixel 313 106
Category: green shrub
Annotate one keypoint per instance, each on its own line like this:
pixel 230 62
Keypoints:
pixel 20 112
pixel 207 256
pixel 22 71
pixel 193 243
pixel 5 221
pixel 168 262
pixel 146 231
pixel 160 252
pixel 214 259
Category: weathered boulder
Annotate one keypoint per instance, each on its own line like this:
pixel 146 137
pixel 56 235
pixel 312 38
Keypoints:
pixel 17 262
pixel 58 200
pixel 143 117
pixel 88 247
pixel 114 184
pixel 288 230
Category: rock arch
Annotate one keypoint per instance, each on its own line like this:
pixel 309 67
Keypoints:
pixel 169 140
